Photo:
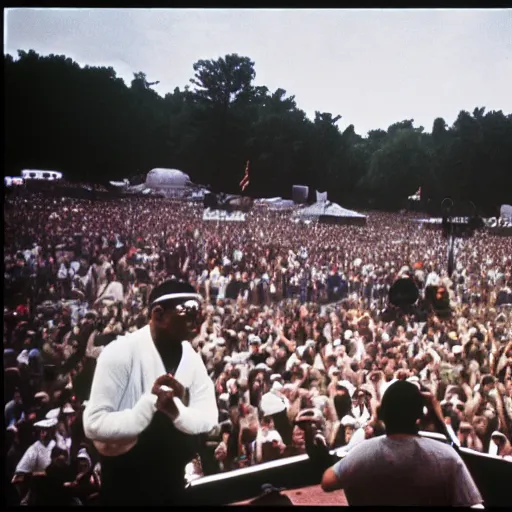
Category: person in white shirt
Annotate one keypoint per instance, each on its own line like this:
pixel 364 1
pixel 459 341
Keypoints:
pixel 39 454
pixel 267 433
pixel 151 396
pixel 402 468
pixel 222 282
pixel 359 411
pixel 111 291
pixel 64 416
pixel 193 471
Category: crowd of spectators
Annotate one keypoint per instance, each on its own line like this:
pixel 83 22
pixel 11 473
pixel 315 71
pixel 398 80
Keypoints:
pixel 292 320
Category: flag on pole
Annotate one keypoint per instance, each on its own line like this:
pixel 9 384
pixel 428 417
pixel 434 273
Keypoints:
pixel 416 196
pixel 245 181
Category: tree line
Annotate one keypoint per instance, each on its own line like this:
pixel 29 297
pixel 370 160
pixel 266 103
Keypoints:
pixel 89 124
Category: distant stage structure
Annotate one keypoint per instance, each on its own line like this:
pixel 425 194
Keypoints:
pixel 506 213
pixel 300 194
pixel 170 183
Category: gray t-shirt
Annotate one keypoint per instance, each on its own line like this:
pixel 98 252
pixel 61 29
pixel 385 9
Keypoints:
pixel 406 471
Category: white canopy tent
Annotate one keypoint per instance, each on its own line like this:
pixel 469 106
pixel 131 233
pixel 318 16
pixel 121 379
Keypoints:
pixel 120 184
pixel 168 182
pixel 276 203
pixel 327 211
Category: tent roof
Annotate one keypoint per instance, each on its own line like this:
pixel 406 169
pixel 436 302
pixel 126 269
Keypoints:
pixel 329 209
pixel 167 178
pixel 276 203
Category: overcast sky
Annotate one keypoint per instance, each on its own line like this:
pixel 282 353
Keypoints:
pixel 373 67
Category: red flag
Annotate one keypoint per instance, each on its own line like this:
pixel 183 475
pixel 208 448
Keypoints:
pixel 245 181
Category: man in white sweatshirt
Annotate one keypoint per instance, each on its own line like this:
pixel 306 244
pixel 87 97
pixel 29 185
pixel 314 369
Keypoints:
pixel 151 397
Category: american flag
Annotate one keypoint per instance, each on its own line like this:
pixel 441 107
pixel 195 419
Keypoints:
pixel 245 181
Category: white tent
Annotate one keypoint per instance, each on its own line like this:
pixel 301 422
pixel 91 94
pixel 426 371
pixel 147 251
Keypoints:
pixel 276 203
pixel 120 184
pixel 331 212
pixel 168 182
pixel 137 189
pixel 268 200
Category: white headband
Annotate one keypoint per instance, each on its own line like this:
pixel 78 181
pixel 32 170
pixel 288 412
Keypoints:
pixel 170 296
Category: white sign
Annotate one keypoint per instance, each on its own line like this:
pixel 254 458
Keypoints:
pixel 221 215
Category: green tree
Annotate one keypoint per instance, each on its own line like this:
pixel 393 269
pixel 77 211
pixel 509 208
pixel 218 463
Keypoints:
pixel 398 168
pixel 219 85
pixel 90 124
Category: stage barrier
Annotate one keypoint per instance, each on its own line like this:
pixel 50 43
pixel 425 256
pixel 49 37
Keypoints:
pixel 492 475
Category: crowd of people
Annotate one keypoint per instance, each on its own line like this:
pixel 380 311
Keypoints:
pixel 292 321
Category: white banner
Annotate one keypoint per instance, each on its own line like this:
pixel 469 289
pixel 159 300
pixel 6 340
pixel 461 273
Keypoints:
pixel 221 215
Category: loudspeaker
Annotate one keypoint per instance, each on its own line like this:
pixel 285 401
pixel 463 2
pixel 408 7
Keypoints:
pixel 300 194
pixel 210 201
pixel 403 293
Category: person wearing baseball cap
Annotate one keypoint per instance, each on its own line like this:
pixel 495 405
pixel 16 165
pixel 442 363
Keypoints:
pixel 151 397
pixel 85 484
pixel 39 454
pixel 403 468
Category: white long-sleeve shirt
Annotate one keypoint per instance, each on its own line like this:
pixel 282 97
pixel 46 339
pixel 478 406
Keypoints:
pixel 121 405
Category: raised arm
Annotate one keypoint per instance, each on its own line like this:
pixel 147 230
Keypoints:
pixel 102 419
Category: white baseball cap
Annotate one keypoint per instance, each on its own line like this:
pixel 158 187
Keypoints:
pixel 54 413
pixel 48 423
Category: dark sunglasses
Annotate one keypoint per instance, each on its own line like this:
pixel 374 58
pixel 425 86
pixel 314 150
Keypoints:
pixel 188 308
